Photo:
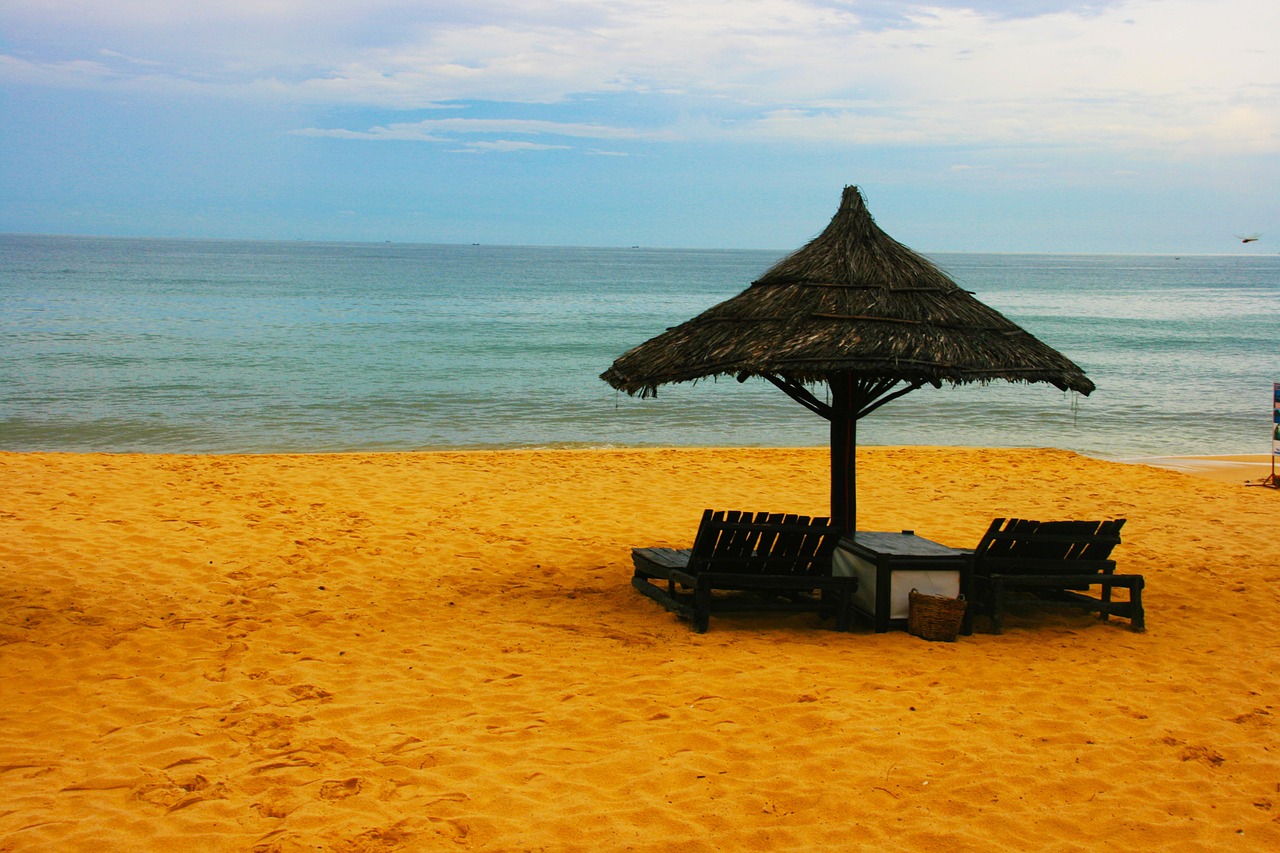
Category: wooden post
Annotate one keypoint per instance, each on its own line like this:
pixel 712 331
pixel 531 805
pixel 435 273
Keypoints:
pixel 844 446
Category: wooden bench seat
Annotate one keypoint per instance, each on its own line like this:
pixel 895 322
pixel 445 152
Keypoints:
pixel 766 561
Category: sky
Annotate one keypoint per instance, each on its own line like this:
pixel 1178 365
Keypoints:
pixel 970 125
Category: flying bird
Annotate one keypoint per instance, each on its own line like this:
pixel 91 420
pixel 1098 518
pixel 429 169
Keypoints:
pixel 1252 238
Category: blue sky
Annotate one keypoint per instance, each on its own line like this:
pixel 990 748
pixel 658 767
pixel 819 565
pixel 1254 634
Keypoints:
pixel 1132 126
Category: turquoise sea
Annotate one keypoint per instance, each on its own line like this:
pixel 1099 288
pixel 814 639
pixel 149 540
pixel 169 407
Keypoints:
pixel 229 346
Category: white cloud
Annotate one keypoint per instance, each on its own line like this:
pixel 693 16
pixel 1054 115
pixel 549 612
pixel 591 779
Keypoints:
pixel 1182 74
pixel 402 133
pixel 475 125
pixel 448 129
pixel 506 146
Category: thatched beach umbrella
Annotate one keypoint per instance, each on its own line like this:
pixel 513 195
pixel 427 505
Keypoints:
pixel 860 312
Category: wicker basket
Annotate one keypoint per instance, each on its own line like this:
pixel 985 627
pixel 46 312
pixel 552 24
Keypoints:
pixel 935 617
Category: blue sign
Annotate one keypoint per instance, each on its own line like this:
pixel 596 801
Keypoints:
pixel 1275 418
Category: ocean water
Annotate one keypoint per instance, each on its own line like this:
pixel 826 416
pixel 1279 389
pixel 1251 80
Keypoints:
pixel 232 346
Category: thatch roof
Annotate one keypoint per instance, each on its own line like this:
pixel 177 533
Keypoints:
pixel 853 301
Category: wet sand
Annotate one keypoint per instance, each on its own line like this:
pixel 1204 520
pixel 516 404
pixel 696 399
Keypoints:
pixel 1247 468
pixel 442 651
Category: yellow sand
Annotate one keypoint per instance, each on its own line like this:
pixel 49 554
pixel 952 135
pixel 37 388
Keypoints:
pixel 442 652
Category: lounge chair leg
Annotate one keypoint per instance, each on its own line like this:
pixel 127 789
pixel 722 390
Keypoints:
pixel 1137 616
pixel 844 601
pixel 997 610
pixel 701 607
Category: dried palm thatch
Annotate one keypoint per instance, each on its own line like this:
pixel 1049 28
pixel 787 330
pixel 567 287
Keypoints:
pixel 859 311
pixel 853 301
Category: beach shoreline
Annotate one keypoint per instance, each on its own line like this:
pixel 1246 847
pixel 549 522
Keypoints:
pixel 1234 467
pixel 418 651
pixel 1243 467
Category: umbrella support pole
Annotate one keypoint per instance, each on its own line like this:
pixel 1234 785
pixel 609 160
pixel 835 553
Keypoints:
pixel 844 446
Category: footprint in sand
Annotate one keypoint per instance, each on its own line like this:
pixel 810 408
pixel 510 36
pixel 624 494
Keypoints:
pixel 301 692
pixel 341 789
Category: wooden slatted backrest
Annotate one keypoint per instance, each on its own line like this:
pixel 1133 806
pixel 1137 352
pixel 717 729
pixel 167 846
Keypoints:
pixel 1057 547
pixel 763 544
pixel 1104 541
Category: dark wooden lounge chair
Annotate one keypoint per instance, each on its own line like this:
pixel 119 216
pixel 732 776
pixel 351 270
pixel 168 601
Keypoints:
pixel 766 561
pixel 1058 561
